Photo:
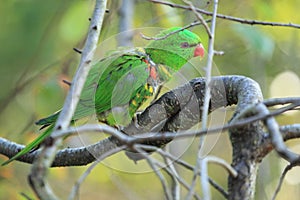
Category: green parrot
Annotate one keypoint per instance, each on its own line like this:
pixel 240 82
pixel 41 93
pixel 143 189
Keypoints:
pixel 120 83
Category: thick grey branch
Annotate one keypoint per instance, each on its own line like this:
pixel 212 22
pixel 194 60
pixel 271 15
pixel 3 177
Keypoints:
pixel 65 157
pixel 176 110
pixel 180 109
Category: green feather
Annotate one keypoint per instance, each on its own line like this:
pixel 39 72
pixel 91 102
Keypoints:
pixel 169 51
pixel 119 84
pixel 31 145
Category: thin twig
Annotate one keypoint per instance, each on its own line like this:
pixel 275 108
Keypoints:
pixel 9 148
pixel 208 68
pixel 285 171
pixel 222 163
pixel 165 154
pixel 93 127
pixel 75 189
pixel 196 171
pixel 281 101
pixel 207 96
pixel 204 173
pixel 193 133
pixel 178 161
pixel 85 64
pixel 276 137
pixel 153 165
pixel 44 160
pixel 185 165
pixel 175 184
pixel 231 18
pixel 26 196
pixel 171 33
pixel 199 17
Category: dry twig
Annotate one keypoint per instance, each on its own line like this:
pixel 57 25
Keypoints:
pixel 75 189
pixel 285 171
pixel 230 18
pixel 43 162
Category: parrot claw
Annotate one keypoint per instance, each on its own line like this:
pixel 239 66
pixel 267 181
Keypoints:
pixel 136 119
pixel 119 127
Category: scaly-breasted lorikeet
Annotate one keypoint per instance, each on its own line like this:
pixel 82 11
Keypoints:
pixel 120 83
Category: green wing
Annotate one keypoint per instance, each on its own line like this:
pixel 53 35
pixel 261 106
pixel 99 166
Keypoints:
pixel 115 86
pixel 111 82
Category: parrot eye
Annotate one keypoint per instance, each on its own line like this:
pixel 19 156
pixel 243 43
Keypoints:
pixel 185 45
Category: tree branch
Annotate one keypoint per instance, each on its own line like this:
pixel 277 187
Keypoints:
pixel 170 105
pixel 204 173
pixel 285 171
pixel 227 17
pixel 174 111
pixel 205 107
pixel 75 189
pixel 44 160
pixel 179 110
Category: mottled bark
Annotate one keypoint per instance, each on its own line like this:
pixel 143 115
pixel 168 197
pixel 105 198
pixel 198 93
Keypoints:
pixel 178 110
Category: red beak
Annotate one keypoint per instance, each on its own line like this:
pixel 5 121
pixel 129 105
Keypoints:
pixel 199 51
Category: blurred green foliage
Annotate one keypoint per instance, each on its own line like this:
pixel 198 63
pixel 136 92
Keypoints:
pixel 36 54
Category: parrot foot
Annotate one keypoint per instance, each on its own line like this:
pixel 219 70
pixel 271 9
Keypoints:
pixel 135 119
pixel 157 93
pixel 119 127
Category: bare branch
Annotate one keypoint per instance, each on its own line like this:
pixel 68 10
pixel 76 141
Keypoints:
pixel 285 171
pixel 45 158
pixel 208 68
pixel 196 171
pixel 175 183
pixel 231 18
pixel 93 127
pixel 153 165
pixel 171 33
pixel 290 131
pixel 276 136
pixel 237 89
pixel 281 101
pixel 165 154
pixel 207 95
pixel 204 173
pixel 154 127
pixel 179 99
pixel 199 17
pixel 185 165
pixel 150 117
pixel 75 189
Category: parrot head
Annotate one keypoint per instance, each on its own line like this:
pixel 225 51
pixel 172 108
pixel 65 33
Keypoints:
pixel 176 48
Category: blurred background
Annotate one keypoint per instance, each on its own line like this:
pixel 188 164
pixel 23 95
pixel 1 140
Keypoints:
pixel 37 38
